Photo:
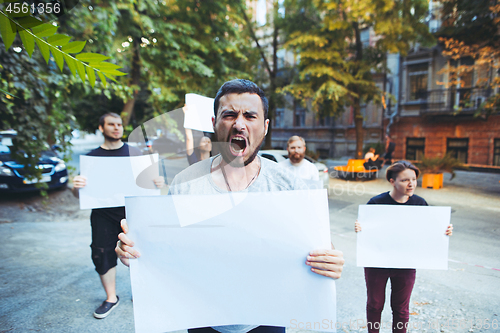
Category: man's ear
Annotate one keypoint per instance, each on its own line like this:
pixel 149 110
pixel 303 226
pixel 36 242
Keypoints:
pixel 101 129
pixel 266 126
pixel 213 122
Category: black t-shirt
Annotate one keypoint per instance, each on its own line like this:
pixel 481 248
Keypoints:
pixel 193 158
pixel 386 199
pixel 113 213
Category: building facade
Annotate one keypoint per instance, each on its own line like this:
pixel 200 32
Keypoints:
pixel 434 119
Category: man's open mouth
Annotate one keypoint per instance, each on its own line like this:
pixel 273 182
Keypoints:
pixel 237 145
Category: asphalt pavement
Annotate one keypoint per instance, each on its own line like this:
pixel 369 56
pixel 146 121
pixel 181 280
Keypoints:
pixel 48 283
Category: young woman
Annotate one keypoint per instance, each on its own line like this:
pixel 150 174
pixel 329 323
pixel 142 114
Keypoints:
pixel 200 153
pixel 403 177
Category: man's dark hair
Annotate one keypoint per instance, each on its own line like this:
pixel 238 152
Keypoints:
pixel 395 169
pixel 240 86
pixel 109 114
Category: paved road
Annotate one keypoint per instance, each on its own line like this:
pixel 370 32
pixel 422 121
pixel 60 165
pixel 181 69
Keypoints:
pixel 465 292
pixel 47 281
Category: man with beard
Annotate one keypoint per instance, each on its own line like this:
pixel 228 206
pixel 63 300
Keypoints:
pixel 240 125
pixel 296 163
pixel 105 222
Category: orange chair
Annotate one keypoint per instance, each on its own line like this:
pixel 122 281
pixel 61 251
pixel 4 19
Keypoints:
pixel 355 170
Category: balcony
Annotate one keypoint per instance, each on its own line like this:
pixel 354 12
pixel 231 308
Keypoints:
pixel 451 101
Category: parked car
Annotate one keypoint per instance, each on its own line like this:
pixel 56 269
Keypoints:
pixel 282 155
pixel 12 173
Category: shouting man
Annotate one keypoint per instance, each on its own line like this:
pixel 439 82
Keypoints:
pixel 240 125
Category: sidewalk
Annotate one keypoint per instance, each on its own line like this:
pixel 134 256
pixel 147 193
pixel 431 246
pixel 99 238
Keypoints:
pixel 469 188
pixel 48 283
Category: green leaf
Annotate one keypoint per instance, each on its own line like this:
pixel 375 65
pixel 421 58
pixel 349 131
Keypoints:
pixel 73 47
pixel 28 41
pixel 8 30
pixel 58 40
pixel 29 22
pixel 110 77
pixel 44 30
pixel 91 75
pixel 81 70
pixel 58 57
pixel 71 63
pixel 104 65
pixel 113 72
pixel 91 57
pixel 102 78
pixel 44 48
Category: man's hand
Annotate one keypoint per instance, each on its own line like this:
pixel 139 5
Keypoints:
pixel 124 249
pixel 357 226
pixel 159 182
pixel 328 263
pixel 79 182
pixel 449 230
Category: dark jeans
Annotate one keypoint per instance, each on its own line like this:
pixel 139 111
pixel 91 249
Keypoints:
pixel 402 281
pixel 259 329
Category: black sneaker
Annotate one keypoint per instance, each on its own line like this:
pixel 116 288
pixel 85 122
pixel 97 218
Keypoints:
pixel 105 309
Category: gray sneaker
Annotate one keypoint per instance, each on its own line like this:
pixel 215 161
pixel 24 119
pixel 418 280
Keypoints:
pixel 105 309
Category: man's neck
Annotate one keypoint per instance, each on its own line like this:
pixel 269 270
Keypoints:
pixel 234 178
pixel 204 155
pixel 112 145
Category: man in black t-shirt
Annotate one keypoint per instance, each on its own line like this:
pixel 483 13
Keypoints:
pixel 105 222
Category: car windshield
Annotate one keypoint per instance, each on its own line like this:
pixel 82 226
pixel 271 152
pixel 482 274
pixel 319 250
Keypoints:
pixel 4 153
pixel 4 149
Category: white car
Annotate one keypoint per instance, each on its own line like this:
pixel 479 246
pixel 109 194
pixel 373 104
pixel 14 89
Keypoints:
pixel 281 155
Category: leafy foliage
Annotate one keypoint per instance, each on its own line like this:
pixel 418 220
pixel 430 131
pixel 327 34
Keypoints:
pixel 336 69
pixel 37 111
pixel 439 164
pixel 470 36
pixel 32 31
pixel 168 48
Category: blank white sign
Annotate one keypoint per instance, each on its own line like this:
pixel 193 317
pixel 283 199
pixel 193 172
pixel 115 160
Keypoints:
pixel 110 179
pixel 403 236
pixel 199 113
pixel 244 266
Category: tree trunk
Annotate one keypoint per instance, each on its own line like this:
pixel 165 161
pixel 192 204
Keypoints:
pixel 272 86
pixel 358 117
pixel 128 109
pixel 358 122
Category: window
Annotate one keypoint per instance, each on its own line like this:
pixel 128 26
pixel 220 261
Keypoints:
pixel 299 119
pixel 415 148
pixel 496 153
pixel 325 121
pixel 417 77
pixel 323 153
pixel 365 38
pixel 458 148
pixel 279 119
pixel 261 12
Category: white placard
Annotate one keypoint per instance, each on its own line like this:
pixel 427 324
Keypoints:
pixel 244 266
pixel 199 113
pixel 110 179
pixel 403 236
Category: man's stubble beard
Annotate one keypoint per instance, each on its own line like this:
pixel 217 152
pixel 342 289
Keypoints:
pixel 229 158
pixel 300 159
pixel 110 139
